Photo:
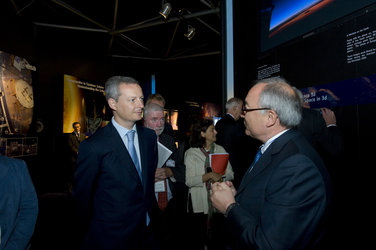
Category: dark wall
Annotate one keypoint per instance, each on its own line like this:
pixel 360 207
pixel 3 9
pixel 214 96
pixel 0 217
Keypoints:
pixel 314 60
pixel 55 52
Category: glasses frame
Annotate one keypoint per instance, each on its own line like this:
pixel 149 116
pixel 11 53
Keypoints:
pixel 245 110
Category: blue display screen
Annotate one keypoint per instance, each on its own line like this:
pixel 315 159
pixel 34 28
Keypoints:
pixel 284 20
pixel 284 10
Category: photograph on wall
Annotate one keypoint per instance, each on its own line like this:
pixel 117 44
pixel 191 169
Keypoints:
pixel 19 147
pixel 16 98
pixel 85 103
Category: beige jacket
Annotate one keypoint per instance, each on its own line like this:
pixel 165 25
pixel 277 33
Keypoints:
pixel 195 168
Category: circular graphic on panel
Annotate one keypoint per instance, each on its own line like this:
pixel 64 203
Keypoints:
pixel 24 93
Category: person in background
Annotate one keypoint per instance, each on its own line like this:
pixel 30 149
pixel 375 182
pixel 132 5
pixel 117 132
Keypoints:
pixel 158 99
pixel 114 178
pixel 170 188
pixel 320 129
pixel 206 223
pixel 18 204
pixel 74 140
pixel 231 135
pixel 284 199
pixel 227 127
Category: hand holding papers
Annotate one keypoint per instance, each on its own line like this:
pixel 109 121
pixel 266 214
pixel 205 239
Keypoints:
pixel 218 162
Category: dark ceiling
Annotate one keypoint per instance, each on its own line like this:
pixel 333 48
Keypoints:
pixel 125 29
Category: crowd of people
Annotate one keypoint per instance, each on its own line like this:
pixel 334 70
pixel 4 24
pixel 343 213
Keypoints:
pixel 134 189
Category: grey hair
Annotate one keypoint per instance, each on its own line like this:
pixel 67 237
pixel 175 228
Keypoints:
pixel 279 96
pixel 300 94
pixel 152 107
pixel 112 86
pixel 233 102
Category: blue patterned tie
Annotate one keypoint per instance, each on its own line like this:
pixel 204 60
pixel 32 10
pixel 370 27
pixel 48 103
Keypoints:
pixel 132 152
pixel 257 157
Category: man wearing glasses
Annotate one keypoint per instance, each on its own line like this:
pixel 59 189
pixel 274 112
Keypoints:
pixel 285 195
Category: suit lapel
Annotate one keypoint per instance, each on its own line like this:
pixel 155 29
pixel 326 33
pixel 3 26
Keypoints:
pixel 266 158
pixel 262 163
pixel 122 152
pixel 142 142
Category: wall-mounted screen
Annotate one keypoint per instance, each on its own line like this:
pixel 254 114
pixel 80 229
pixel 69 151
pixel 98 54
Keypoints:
pixel 284 20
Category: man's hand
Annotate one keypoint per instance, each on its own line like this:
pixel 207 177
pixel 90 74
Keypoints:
pixel 162 174
pixel 222 195
pixel 329 116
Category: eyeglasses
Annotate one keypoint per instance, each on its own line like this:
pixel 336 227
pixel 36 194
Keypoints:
pixel 245 110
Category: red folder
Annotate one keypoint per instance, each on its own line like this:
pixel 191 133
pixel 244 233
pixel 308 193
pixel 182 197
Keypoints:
pixel 218 162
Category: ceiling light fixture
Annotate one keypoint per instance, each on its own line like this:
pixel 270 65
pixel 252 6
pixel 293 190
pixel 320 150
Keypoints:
pixel 166 9
pixel 190 33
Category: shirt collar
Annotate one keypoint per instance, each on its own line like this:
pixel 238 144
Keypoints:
pixel 120 129
pixel 268 142
pixel 231 115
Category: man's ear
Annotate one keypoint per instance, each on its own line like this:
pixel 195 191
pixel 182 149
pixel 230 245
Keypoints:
pixel 272 118
pixel 112 103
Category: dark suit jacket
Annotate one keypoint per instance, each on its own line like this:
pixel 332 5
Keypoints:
pixel 18 204
pixel 111 199
pixel 284 200
pixel 325 140
pixel 227 131
pixel 178 188
pixel 179 170
pixel 74 143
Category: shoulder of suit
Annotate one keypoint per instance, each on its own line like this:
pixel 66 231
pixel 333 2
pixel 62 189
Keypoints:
pixel 146 132
pixel 287 138
pixel 11 165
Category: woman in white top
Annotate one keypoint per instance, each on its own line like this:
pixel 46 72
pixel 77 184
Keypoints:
pixel 199 175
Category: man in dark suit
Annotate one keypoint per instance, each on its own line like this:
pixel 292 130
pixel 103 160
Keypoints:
pixel 170 189
pixel 284 199
pixel 320 129
pixel 74 140
pixel 114 179
pixel 227 127
pixel 231 135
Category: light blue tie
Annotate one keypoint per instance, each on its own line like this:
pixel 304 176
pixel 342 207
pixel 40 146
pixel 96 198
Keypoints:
pixel 132 152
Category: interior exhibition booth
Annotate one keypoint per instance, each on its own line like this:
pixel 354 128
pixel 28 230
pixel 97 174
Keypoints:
pixel 56 56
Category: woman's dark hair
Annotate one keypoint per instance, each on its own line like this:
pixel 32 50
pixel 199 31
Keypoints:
pixel 196 140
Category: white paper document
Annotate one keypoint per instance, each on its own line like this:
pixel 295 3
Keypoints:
pixel 163 154
pixel 159 186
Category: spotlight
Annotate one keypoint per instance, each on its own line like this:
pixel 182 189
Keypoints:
pixel 165 11
pixel 191 32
